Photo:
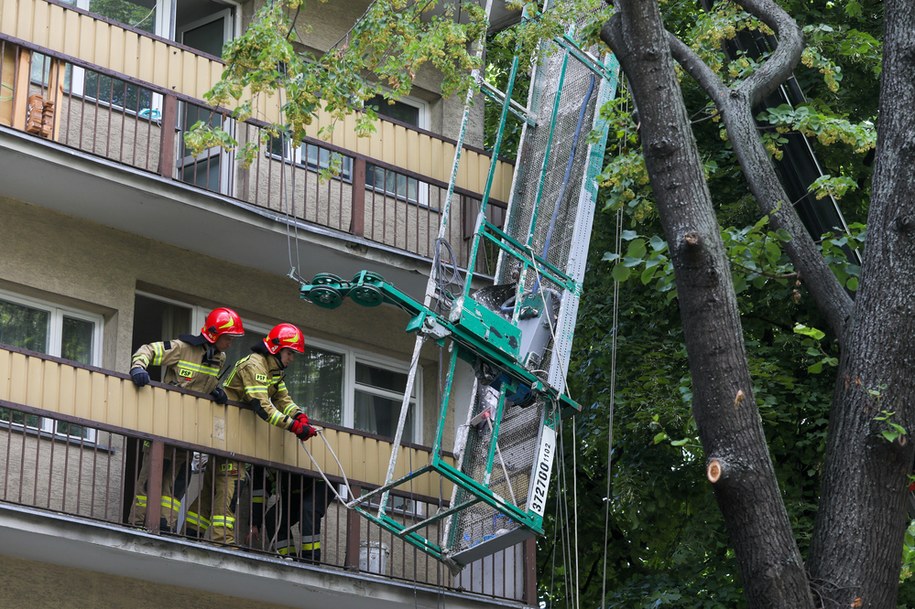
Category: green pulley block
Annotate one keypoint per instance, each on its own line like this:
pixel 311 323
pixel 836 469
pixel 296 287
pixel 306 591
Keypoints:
pixel 366 295
pixel 326 278
pixel 325 297
pixel 367 276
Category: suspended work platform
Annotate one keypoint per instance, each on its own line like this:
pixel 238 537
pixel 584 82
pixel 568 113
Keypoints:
pixel 515 334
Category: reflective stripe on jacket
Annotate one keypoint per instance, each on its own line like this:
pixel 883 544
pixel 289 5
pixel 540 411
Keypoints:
pixel 258 380
pixel 184 365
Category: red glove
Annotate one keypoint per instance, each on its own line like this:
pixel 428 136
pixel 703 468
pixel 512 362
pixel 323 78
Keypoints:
pixel 301 428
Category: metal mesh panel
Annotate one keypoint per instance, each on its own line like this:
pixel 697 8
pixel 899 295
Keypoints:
pixel 517 443
pixel 572 90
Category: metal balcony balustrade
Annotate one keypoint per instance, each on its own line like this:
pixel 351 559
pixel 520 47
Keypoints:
pixel 71 439
pixel 68 77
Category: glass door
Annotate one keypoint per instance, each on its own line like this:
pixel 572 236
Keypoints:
pixel 210 168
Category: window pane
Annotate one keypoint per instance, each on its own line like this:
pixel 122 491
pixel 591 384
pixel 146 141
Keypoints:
pixel 133 14
pixel 19 417
pixel 397 110
pixel 119 93
pixel 381 378
pixel 40 68
pixel 318 157
pixel 379 415
pixel 77 340
pixel 24 327
pixel 315 382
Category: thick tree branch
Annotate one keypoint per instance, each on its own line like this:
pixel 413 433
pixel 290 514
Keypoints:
pixel 736 110
pixel 781 62
pixel 698 69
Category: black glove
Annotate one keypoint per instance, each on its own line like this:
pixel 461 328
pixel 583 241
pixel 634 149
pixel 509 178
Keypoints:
pixel 139 376
pixel 219 396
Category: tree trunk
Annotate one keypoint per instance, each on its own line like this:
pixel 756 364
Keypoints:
pixel 723 404
pixel 856 548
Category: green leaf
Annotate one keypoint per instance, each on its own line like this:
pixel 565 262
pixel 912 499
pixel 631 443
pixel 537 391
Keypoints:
pixel 657 243
pixel 636 249
pixel 807 331
pixel 621 273
pixel 659 437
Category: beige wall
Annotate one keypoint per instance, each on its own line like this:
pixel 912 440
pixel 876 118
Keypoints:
pixel 95 268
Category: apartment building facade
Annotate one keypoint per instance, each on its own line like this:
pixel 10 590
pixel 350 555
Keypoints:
pixel 114 235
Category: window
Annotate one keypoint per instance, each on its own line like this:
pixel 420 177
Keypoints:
pixel 377 397
pixel 112 91
pixel 58 331
pixel 393 184
pixel 414 113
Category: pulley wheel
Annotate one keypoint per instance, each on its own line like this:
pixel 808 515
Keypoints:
pixel 366 295
pixel 325 297
pixel 325 278
pixel 367 276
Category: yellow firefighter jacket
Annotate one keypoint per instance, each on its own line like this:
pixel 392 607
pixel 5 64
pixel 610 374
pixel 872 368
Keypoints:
pixel 258 380
pixel 189 362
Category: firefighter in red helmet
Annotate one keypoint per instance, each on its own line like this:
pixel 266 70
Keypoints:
pixel 258 380
pixel 191 362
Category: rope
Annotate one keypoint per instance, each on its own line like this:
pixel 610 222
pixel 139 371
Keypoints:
pixel 618 245
pixel 432 282
pixel 508 481
pixel 320 471
pixel 577 589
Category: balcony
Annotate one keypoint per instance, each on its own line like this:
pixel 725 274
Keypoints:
pixel 70 440
pixel 115 125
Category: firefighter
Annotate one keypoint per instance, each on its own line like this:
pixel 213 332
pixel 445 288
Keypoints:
pixel 189 362
pixel 258 380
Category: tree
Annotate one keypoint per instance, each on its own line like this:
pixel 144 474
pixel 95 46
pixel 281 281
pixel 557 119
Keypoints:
pixel 854 556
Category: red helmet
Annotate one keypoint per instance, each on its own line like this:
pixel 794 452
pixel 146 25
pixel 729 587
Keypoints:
pixel 285 336
pixel 219 322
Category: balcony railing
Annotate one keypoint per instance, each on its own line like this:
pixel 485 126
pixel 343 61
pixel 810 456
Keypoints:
pixel 64 78
pixel 74 439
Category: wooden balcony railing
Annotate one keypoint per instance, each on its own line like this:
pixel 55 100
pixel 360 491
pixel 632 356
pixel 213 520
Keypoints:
pixel 129 97
pixel 72 440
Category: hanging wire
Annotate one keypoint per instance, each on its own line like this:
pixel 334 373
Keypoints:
pixel 618 245
pixel 292 240
pixel 576 588
pixel 447 274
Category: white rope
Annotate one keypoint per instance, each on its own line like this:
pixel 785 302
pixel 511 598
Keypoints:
pixel 615 329
pixel 317 466
pixel 508 481
pixel 576 588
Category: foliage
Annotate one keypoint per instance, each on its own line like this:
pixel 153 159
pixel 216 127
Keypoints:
pixel 392 41
pixel 380 56
pixel 125 11
pixel 667 544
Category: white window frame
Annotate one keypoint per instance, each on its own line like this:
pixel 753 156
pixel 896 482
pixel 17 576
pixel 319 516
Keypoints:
pixel 350 357
pixel 55 337
pixel 422 188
